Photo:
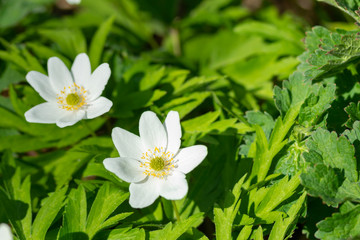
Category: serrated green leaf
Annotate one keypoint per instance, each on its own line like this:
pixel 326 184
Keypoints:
pixel 322 181
pixel 335 151
pixel 258 234
pixel 277 193
pixel 292 161
pixel 331 173
pixel 116 234
pixel 170 232
pixel 353 110
pixel 262 119
pixel 224 218
pixel 316 104
pixel 354 134
pixel 328 52
pixel 47 214
pixel 340 226
pixel 115 219
pixel 17 200
pixel 109 197
pixel 351 7
pixel 282 225
pixel 245 233
pixel 75 214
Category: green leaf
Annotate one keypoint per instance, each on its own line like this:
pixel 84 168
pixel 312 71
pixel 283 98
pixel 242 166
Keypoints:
pixel 224 218
pixel 115 220
pixel 267 29
pixel 340 226
pixel 353 110
pixel 331 172
pixel 47 213
pixel 98 42
pixel 245 232
pixel 351 7
pixel 335 152
pixel 17 200
pixel 10 76
pixel 70 41
pixel 282 226
pixel 328 52
pixel 354 134
pixel 170 232
pixel 108 198
pixel 262 119
pixel 116 234
pixel 13 12
pixel 201 123
pixel 293 94
pixel 323 181
pixel 75 214
pixel 258 234
pixel 184 105
pixel 277 193
pixel 152 77
pixel 316 104
pixel 292 161
pixel 193 84
pixel 44 52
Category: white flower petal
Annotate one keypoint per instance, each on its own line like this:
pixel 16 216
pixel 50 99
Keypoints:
pixel 144 193
pixel 174 187
pixel 73 2
pixel 127 169
pixel 152 132
pixel 59 74
pixel 5 232
pixel 173 130
pixel 190 157
pixel 81 69
pixel 99 78
pixel 70 118
pixel 98 107
pixel 45 113
pixel 41 84
pixel 127 143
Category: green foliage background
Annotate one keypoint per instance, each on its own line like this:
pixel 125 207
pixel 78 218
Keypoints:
pixel 275 101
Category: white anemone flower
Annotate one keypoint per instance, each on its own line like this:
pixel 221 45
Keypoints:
pixel 5 232
pixel 73 2
pixel 153 163
pixel 71 96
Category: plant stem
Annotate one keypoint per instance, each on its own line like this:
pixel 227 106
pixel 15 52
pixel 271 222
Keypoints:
pixel 176 210
pixel 88 128
pixel 174 34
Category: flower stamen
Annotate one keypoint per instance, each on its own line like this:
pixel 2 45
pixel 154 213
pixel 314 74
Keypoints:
pixel 72 97
pixel 158 163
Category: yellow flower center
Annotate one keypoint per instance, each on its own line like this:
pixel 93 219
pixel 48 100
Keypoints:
pixel 158 163
pixel 72 97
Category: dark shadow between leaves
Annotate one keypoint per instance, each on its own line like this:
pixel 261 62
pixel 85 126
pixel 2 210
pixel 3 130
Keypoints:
pixel 15 209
